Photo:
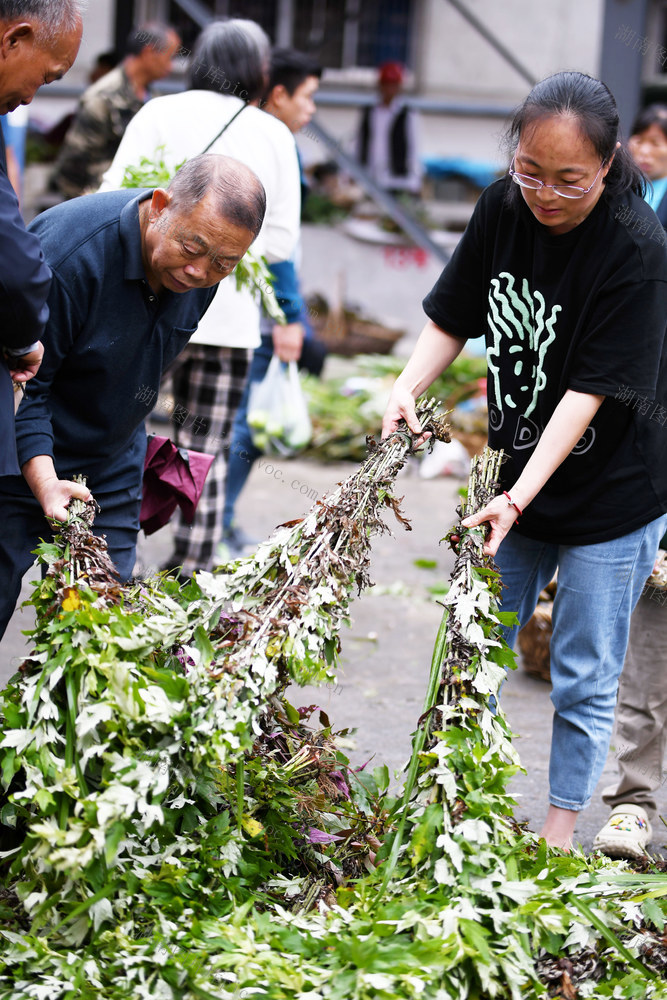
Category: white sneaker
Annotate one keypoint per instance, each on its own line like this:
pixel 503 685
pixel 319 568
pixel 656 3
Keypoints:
pixel 626 833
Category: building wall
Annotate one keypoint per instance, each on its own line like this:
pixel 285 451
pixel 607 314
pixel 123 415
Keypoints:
pixel 544 36
pixel 453 63
pixel 98 36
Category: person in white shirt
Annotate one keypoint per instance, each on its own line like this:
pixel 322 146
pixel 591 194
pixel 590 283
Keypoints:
pixel 387 142
pixel 228 72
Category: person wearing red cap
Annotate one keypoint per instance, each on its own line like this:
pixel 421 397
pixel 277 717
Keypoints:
pixel 387 137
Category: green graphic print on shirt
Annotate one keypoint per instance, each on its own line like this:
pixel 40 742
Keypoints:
pixel 521 334
pixel 519 318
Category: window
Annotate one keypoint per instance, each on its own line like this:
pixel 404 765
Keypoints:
pixel 342 34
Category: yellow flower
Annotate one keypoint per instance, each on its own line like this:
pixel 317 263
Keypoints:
pixel 252 826
pixel 72 601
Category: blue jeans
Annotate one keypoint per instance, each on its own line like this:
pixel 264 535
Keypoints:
pixel 598 588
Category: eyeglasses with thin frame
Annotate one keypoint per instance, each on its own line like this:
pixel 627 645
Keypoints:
pixel 564 190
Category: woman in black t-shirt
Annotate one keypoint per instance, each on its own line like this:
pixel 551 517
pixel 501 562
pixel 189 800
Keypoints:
pixel 563 268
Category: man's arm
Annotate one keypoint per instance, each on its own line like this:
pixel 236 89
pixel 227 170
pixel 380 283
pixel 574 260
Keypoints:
pixel 24 275
pixel 288 339
pixel 34 432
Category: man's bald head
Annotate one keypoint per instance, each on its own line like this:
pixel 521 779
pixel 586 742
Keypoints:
pixel 233 188
pixel 195 233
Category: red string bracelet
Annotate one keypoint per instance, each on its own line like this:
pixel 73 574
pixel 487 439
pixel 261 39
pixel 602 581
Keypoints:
pixel 511 503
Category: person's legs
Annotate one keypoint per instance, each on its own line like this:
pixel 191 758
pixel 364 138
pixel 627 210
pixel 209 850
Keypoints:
pixel 208 384
pixel 641 712
pixel 598 587
pixel 23 524
pixel 526 567
pixel 242 451
pixel 640 734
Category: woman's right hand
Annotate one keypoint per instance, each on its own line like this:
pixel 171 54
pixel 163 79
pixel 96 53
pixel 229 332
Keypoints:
pixel 433 353
pixel 401 406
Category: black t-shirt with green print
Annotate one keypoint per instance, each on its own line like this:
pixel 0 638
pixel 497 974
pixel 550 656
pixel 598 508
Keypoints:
pixel 586 311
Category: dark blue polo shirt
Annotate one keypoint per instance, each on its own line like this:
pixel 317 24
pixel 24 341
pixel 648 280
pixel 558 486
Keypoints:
pixel 24 285
pixel 107 343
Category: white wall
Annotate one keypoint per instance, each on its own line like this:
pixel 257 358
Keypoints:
pixel 98 36
pixel 545 36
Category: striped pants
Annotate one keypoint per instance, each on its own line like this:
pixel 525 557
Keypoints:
pixel 207 385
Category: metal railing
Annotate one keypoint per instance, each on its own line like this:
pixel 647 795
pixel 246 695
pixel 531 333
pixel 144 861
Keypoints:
pixel 410 226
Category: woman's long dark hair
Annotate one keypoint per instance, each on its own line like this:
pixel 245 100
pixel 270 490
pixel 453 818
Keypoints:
pixel 591 102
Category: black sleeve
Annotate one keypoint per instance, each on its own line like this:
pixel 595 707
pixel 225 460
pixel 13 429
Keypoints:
pixel 24 275
pixel 624 337
pixel 457 303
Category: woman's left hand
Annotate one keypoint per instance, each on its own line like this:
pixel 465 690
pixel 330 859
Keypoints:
pixel 500 515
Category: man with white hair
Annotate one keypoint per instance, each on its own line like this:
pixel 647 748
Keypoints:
pixel 133 274
pixel 227 78
pixel 39 41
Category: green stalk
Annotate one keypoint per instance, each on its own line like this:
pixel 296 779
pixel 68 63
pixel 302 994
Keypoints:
pixel 417 746
pixel 240 792
pixel 70 740
pixel 609 935
pixel 488 473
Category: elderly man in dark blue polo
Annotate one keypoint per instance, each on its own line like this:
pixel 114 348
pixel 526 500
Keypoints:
pixel 133 273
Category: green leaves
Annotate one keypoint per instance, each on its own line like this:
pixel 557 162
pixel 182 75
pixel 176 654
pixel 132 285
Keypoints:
pixel 184 832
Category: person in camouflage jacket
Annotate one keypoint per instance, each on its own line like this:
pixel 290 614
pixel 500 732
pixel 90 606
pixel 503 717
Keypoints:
pixel 107 107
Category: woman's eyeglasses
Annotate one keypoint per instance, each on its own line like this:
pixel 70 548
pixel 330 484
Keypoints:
pixel 564 190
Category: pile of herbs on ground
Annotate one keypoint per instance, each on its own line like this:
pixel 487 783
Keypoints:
pixel 347 406
pixel 175 829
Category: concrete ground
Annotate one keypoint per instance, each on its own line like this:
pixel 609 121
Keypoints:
pixel 386 653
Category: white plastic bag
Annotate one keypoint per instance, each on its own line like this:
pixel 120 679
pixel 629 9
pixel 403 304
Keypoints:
pixel 277 411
